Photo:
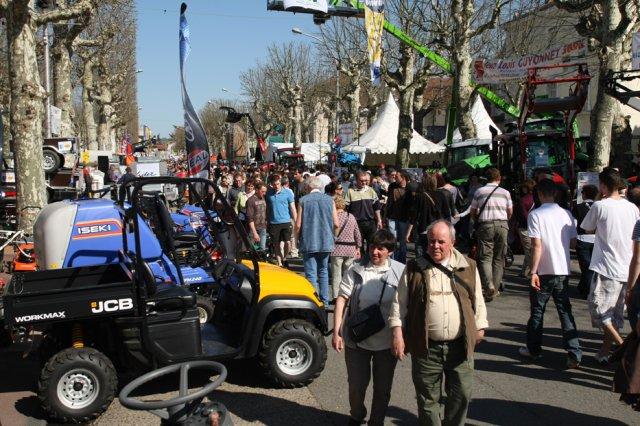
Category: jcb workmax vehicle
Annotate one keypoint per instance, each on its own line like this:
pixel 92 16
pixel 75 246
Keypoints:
pixel 121 317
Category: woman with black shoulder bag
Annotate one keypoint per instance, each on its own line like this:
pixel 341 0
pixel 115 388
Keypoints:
pixel 361 329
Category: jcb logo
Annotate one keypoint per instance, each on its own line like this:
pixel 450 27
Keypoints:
pixel 111 305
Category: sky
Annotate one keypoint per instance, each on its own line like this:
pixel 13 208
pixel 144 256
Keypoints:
pixel 227 38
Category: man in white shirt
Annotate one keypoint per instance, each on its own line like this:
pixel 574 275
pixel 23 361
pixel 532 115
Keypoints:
pixel 612 219
pixel 552 230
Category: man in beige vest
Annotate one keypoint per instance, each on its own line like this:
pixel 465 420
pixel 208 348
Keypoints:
pixel 438 316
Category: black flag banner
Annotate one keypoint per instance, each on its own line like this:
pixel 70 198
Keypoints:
pixel 195 137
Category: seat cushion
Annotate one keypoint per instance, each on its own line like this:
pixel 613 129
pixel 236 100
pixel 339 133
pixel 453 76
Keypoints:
pixel 173 298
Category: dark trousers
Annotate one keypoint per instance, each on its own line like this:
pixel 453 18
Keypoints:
pixel 492 245
pixel 552 286
pixel 448 360
pixel 583 252
pixel 360 364
pixel 633 309
pixel 367 229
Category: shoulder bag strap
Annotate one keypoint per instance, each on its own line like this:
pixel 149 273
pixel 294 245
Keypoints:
pixel 484 204
pixel 451 273
pixel 344 224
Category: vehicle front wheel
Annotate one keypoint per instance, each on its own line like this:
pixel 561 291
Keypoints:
pixel 50 161
pixel 205 309
pixel 293 353
pixel 77 385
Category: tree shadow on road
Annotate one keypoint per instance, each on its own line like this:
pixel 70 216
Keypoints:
pixel 400 416
pixel 553 362
pixel 272 410
pixel 500 412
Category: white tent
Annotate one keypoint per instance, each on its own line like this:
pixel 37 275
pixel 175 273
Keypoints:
pixel 311 151
pixel 382 136
pixel 481 122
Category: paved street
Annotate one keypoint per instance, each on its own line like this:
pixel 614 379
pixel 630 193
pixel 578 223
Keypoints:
pixel 507 390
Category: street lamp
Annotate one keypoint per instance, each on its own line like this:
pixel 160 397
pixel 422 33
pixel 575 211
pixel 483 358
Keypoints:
pixel 298 31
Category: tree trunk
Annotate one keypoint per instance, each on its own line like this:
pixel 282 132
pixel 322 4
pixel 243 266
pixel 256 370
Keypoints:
pixel 105 124
pixel 621 155
pixel 27 95
pixel 62 91
pixel 605 107
pixel 87 105
pixel 297 117
pixel 405 127
pixel 354 107
pixel 461 57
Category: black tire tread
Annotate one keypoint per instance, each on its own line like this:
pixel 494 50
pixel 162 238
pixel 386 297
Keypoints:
pixel 207 303
pixel 286 326
pixel 59 360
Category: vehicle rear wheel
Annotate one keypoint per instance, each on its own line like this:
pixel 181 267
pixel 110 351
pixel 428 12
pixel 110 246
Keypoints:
pixel 50 161
pixel 293 353
pixel 77 385
pixel 205 309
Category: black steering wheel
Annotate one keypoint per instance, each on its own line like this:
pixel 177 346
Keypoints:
pixel 176 409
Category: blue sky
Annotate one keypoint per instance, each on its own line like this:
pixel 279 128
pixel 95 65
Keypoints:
pixel 227 37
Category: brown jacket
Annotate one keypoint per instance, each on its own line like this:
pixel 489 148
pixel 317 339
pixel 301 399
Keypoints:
pixel 464 286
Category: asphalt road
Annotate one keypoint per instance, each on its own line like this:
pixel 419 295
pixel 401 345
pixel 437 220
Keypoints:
pixel 507 390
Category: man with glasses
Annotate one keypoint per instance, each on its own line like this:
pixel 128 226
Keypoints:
pixel 362 202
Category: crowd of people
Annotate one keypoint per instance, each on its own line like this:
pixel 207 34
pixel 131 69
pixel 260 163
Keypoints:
pixel 352 232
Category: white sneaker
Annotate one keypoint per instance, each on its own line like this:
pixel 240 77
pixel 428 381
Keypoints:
pixel 524 351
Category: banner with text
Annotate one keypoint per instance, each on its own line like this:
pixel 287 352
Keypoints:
pixel 195 137
pixel 306 6
pixel 373 23
pixel 635 52
pixel 502 70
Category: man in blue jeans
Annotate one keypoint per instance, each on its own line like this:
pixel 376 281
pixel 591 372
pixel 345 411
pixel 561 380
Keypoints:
pixel 316 221
pixel 397 212
pixel 552 230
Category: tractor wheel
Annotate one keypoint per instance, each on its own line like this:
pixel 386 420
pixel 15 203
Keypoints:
pixel 77 385
pixel 293 353
pixel 50 161
pixel 205 309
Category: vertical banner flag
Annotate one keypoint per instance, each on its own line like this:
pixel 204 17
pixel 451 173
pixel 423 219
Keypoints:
pixel 195 138
pixel 635 52
pixel 373 22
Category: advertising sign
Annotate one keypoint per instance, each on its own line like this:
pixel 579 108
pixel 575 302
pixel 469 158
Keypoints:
pixel 56 118
pixel 346 134
pixel 306 6
pixel 585 178
pixel 501 70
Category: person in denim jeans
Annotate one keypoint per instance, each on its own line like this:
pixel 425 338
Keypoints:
pixel 584 245
pixel 397 212
pixel 552 230
pixel 316 222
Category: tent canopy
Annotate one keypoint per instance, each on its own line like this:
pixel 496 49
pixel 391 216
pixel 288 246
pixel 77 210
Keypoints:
pixel 382 136
pixel 481 121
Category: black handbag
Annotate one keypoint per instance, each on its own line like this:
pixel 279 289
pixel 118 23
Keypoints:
pixel 368 321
